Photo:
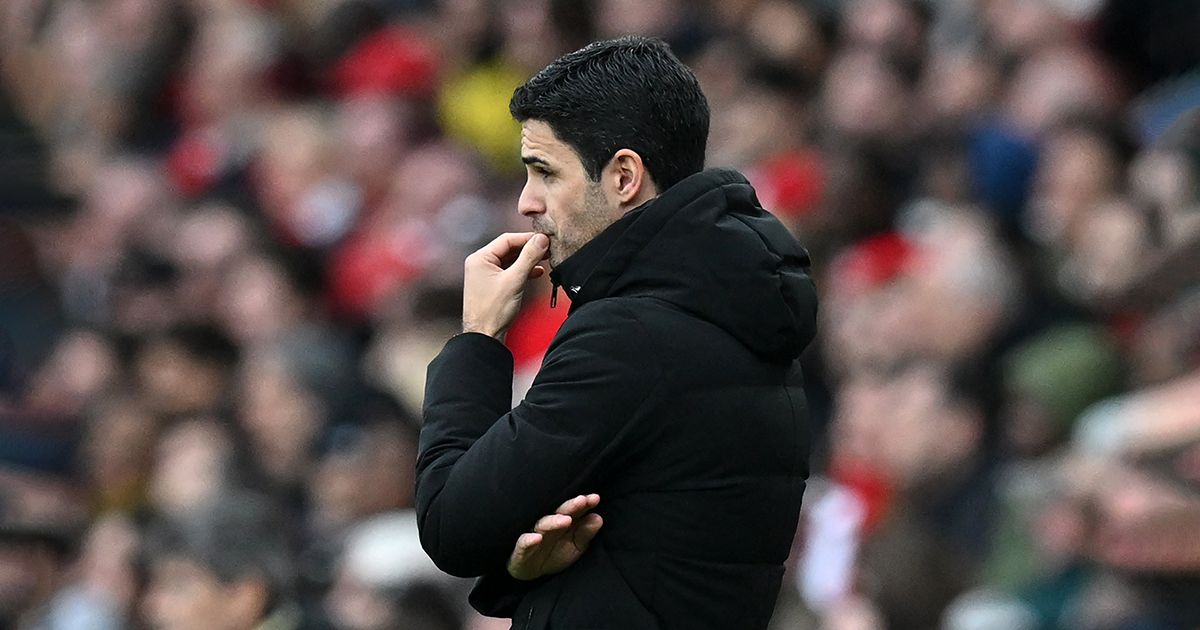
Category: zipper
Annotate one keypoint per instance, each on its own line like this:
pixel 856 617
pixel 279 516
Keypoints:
pixel 554 295
pixel 529 618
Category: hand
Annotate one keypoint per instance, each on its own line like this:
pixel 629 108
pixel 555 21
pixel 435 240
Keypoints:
pixel 557 540
pixel 494 280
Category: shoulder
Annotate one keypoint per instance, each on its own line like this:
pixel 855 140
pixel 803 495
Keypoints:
pixel 611 317
pixel 602 357
pixel 615 328
pixel 654 320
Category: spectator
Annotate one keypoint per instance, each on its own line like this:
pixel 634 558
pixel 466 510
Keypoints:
pixel 186 370
pixel 386 581
pixel 196 464
pixel 227 566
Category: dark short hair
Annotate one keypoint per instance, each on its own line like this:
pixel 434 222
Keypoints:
pixel 626 93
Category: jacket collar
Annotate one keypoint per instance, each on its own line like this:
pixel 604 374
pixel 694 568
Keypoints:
pixel 589 273
pixel 574 274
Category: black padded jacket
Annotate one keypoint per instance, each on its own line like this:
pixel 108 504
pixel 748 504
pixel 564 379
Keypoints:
pixel 673 390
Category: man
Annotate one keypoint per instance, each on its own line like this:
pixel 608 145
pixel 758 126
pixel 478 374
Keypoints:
pixel 385 581
pixel 671 393
pixel 226 566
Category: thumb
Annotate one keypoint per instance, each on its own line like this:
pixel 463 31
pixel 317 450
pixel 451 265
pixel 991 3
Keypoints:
pixel 533 251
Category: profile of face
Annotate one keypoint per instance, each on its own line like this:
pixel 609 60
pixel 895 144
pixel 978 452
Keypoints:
pixel 560 198
pixel 563 202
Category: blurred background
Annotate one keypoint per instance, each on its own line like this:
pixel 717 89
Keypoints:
pixel 231 238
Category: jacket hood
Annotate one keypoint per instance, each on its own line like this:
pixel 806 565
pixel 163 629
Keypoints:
pixel 706 246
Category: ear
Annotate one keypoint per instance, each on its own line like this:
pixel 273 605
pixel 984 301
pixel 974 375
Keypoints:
pixel 629 181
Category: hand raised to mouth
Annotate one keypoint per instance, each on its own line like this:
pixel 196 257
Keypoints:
pixel 494 280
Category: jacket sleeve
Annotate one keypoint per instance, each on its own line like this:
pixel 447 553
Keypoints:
pixel 486 474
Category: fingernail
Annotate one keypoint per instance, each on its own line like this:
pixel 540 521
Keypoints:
pixel 541 240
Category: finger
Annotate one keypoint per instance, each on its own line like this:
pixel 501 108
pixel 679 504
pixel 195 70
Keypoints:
pixel 576 506
pixel 552 523
pixel 526 543
pixel 503 248
pixel 532 252
pixel 587 530
pixel 573 506
pixel 592 523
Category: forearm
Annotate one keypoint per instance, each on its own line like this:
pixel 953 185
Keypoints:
pixel 485 473
pixel 457 532
pixel 469 387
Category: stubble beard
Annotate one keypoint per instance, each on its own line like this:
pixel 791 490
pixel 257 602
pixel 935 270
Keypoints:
pixel 588 221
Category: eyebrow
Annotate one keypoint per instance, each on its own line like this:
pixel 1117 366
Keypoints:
pixel 535 161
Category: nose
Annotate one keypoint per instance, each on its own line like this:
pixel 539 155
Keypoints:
pixel 531 203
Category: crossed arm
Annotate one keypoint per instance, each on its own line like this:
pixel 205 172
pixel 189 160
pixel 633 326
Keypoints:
pixel 557 540
pixel 489 478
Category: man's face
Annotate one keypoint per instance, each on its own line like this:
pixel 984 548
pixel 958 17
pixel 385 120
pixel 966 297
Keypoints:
pixel 562 201
pixel 183 595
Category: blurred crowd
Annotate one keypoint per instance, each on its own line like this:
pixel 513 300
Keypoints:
pixel 232 233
